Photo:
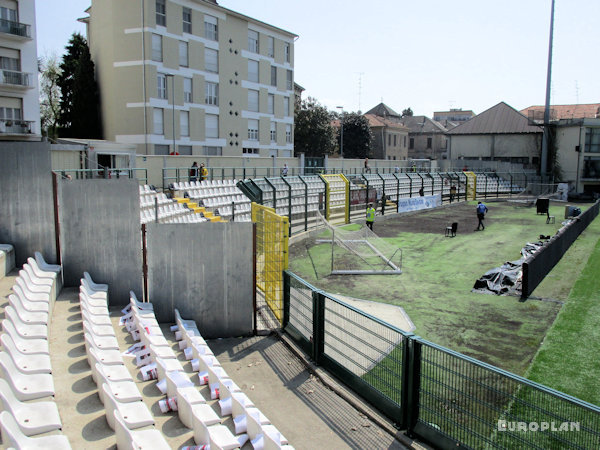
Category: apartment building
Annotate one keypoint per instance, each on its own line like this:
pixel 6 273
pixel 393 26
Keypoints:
pixel 190 77
pixel 19 94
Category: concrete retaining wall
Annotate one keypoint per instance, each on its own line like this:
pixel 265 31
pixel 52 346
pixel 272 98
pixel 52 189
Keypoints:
pixel 100 234
pixel 27 209
pixel 205 271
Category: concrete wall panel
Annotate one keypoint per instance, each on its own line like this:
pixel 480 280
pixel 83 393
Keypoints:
pixel 205 271
pixel 100 234
pixel 27 208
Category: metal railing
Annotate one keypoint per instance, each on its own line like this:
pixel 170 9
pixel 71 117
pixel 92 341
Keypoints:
pixel 15 78
pixel 139 174
pixel 439 395
pixel 16 126
pixel 16 28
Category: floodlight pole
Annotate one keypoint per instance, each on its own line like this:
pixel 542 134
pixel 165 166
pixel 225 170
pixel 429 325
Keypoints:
pixel 545 136
pixel 341 108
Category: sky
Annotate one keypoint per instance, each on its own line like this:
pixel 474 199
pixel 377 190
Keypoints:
pixel 429 55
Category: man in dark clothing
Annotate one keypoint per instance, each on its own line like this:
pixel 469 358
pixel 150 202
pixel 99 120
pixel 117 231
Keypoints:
pixel 481 210
pixel 194 172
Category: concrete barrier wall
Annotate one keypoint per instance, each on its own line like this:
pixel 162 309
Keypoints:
pixel 27 208
pixel 205 271
pixel 100 234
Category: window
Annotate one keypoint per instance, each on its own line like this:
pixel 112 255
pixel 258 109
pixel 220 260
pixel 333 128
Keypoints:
pixel 286 52
pixel 271 102
pixel 211 60
pixel 187 20
pixel 252 100
pixel 250 151
pixel 183 54
pixel 187 90
pixel 395 142
pixel 404 141
pixel 253 41
pixel 592 140
pixel 159 121
pixel 286 106
pixel 10 63
pixel 253 70
pixel 289 81
pixel 7 113
pixel 273 132
pixel 161 13
pixel 211 93
pixel 9 14
pixel 157 53
pixel 429 142
pixel 184 150
pixel 212 151
pixel 184 123
pixel 389 140
pixel 253 129
pixel 411 143
pixel 160 149
pixel 211 30
pixel 285 153
pixel 161 85
pixel 271 47
pixel 288 133
pixel 273 76
pixel 212 125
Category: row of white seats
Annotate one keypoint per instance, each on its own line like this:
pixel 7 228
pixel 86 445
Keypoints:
pixel 148 201
pixel 25 366
pixel 126 413
pixel 247 419
pixel 169 214
pixel 184 185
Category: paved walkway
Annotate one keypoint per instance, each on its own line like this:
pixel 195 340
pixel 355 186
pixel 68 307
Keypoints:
pixel 305 410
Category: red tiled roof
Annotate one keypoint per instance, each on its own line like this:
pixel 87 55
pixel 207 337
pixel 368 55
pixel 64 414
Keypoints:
pixel 557 112
pixel 376 121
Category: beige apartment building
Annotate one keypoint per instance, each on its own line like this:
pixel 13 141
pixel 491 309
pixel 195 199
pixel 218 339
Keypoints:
pixel 190 77
pixel 19 94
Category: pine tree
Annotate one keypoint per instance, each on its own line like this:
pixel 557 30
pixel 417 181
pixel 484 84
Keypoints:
pixel 79 106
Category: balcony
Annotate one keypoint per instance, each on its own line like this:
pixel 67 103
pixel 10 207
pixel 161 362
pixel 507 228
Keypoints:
pixel 15 79
pixel 16 127
pixel 16 29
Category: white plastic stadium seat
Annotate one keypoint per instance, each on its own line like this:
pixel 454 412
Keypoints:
pixel 95 286
pixel 25 387
pixel 33 417
pixel 26 363
pixel 34 317
pixel 125 391
pixel 13 437
pixel 138 439
pixel 25 329
pixel 27 346
pixel 134 414
pixel 187 397
pixel 217 437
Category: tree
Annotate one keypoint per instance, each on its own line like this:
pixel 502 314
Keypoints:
pixel 79 106
pixel 313 133
pixel 49 95
pixel 357 136
pixel 407 112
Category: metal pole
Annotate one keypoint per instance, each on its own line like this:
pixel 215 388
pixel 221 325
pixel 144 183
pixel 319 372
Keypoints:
pixel 544 159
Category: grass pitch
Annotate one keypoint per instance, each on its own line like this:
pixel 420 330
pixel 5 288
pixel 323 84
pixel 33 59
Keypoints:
pixel 439 272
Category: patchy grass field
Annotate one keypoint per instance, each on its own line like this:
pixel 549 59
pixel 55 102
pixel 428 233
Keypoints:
pixel 439 272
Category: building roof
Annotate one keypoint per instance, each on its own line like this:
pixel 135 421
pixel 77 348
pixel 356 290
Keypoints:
pixel 377 121
pixel 557 112
pixel 499 119
pixel 422 124
pixel 383 110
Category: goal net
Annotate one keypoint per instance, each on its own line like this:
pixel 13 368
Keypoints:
pixel 533 191
pixel 356 250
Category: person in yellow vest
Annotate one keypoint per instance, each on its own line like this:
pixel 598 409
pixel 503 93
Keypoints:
pixel 370 216
pixel 203 172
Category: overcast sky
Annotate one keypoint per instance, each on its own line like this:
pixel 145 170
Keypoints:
pixel 429 54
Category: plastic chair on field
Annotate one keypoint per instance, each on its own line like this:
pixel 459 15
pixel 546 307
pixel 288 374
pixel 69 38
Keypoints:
pixel 451 229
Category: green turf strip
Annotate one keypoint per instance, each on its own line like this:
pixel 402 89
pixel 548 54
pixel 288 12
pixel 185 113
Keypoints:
pixel 568 359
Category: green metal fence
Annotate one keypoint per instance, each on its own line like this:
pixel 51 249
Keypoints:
pixel 441 396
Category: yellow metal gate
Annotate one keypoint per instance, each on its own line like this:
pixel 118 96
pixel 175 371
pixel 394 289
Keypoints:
pixel 471 185
pixel 337 201
pixel 272 235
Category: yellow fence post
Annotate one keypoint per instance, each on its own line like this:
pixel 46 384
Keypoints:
pixel 471 185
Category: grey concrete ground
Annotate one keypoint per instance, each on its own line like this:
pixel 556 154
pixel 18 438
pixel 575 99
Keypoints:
pixel 306 411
